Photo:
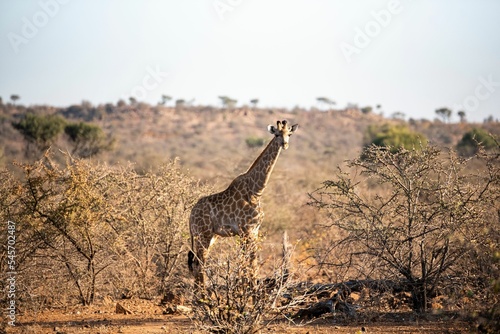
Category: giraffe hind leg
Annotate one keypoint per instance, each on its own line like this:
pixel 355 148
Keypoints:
pixel 197 257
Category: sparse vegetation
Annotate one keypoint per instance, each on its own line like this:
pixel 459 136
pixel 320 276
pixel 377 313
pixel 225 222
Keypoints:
pixel 231 305
pixel 142 210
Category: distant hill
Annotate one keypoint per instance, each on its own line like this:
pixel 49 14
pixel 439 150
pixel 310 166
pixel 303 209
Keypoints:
pixel 213 142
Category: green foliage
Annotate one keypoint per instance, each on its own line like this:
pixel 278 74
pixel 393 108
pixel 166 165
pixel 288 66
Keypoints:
pixel 14 98
pixel 228 102
pixel 366 110
pixel 42 130
pixel 463 116
pixel 395 137
pixel 164 99
pixel 254 142
pixel 78 131
pixel 88 139
pixel 473 140
pixel 325 100
pixel 444 113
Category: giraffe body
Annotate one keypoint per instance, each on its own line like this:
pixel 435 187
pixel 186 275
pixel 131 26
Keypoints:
pixel 236 211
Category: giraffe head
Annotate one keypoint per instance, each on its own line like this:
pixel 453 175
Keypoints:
pixel 282 132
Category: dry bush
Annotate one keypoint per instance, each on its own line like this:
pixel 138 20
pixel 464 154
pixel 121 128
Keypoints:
pixel 88 230
pixel 151 219
pixel 416 216
pixel 68 211
pixel 233 303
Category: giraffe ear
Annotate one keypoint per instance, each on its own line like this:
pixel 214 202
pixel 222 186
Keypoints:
pixel 294 127
pixel 271 129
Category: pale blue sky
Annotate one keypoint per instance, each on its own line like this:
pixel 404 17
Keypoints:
pixel 412 56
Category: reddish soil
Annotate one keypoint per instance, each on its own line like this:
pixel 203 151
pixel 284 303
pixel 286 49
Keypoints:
pixel 148 317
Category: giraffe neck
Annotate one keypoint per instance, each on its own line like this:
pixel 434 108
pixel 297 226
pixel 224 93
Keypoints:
pixel 260 171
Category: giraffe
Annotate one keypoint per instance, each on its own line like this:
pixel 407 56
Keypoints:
pixel 237 210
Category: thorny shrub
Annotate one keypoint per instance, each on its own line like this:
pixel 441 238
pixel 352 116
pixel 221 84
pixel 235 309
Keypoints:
pixel 423 217
pixel 86 230
pixel 232 304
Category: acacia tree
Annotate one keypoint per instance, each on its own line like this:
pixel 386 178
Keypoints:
pixel 68 210
pixel 444 113
pixel 228 102
pixel 14 98
pixel 254 103
pixel 88 139
pixel 164 100
pixel 325 101
pixel 150 218
pixel 463 116
pixel 41 130
pixel 413 215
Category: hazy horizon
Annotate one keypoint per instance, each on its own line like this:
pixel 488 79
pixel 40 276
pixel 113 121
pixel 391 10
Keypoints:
pixel 408 56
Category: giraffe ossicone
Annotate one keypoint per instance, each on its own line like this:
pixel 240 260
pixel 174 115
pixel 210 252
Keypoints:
pixel 237 210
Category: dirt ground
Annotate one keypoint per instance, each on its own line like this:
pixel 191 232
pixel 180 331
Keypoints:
pixel 148 317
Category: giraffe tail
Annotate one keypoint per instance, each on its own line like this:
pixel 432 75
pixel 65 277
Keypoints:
pixel 191 256
pixel 190 260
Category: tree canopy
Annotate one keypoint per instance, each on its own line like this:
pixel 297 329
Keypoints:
pixel 88 139
pixel 395 137
pixel 41 130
